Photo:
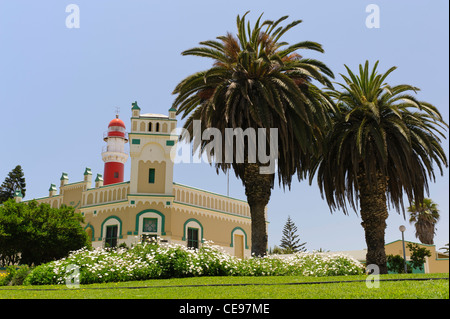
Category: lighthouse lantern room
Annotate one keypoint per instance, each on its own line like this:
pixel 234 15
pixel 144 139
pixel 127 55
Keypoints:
pixel 114 154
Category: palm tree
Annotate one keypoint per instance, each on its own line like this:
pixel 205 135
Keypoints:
pixel 258 81
pixel 424 217
pixel 445 249
pixel 382 145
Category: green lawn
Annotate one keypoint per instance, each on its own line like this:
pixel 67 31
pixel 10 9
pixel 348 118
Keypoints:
pixel 283 287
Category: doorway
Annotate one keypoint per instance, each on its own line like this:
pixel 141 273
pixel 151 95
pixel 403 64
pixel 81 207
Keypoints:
pixel 239 246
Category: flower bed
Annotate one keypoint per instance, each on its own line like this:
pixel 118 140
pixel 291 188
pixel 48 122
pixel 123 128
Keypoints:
pixel 149 261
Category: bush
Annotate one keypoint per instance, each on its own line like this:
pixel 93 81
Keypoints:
pixel 14 276
pixel 149 261
pixel 38 233
pixel 396 264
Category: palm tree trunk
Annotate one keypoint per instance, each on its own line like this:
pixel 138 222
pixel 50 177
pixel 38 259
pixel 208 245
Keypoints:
pixel 425 231
pixel 374 214
pixel 258 188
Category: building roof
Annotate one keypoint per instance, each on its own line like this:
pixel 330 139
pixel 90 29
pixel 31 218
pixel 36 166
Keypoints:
pixel 135 106
pixel 154 115
pixel 117 122
pixel 408 241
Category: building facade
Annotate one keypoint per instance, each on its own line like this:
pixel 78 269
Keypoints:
pixel 436 263
pixel 151 204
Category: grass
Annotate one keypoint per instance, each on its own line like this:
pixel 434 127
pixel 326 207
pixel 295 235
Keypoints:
pixel 270 287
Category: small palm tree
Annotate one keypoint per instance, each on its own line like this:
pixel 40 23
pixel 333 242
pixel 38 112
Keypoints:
pixel 424 217
pixel 382 145
pixel 258 81
pixel 445 249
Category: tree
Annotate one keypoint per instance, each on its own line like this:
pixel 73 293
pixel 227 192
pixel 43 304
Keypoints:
pixel 321 250
pixel 258 81
pixel 276 250
pixel 290 241
pixel 14 181
pixel 11 232
pixel 445 249
pixel 424 217
pixel 383 144
pixel 38 233
pixel 418 255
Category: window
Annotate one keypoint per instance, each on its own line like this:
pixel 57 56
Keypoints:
pixel 150 126
pixel 151 175
pixel 116 174
pixel 111 236
pixel 192 240
pixel 157 127
pixel 150 225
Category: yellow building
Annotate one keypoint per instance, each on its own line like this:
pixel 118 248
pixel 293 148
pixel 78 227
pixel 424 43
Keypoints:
pixel 436 263
pixel 151 203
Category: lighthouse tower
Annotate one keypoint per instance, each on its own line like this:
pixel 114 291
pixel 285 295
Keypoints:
pixel 113 153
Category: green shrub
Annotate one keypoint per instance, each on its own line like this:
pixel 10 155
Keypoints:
pixel 15 275
pixel 38 233
pixel 396 264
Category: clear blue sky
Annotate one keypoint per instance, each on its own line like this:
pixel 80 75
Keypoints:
pixel 59 87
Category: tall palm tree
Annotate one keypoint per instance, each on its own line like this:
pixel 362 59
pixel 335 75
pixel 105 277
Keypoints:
pixel 382 145
pixel 258 81
pixel 424 216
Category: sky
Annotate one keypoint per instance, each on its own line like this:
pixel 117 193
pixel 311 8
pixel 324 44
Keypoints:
pixel 60 86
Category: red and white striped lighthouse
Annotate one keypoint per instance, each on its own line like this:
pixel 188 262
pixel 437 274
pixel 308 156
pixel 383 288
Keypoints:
pixel 114 154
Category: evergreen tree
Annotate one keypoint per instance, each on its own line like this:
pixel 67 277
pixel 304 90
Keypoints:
pixel 290 241
pixel 14 181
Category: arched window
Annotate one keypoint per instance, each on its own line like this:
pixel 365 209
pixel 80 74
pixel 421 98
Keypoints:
pixel 111 231
pixel 150 223
pixel 150 126
pixel 193 233
pixel 90 232
pixel 90 199
pixel 157 127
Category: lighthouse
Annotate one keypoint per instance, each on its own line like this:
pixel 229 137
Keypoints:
pixel 114 154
